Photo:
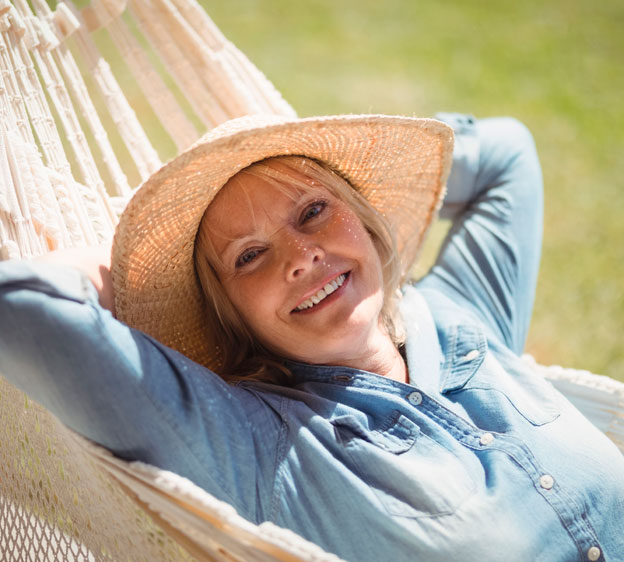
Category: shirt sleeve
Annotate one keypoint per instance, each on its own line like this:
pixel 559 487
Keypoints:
pixel 126 391
pixel 489 260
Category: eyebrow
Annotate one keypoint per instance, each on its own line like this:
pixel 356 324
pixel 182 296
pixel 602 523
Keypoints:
pixel 233 242
pixel 237 236
pixel 250 233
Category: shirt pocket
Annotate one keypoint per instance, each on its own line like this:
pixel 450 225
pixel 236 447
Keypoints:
pixel 530 395
pixel 410 474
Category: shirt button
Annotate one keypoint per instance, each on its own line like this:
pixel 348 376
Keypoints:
pixel 546 481
pixel 415 398
pixel 486 439
pixel 473 354
pixel 593 553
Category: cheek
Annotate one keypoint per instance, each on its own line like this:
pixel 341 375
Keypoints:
pixel 348 229
pixel 357 239
pixel 253 299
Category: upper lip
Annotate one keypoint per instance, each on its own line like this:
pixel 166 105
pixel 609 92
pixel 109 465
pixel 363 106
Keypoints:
pixel 318 286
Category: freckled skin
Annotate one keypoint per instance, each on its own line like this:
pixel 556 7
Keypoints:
pixel 290 259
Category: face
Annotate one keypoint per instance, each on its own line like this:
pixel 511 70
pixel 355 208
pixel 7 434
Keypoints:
pixel 299 267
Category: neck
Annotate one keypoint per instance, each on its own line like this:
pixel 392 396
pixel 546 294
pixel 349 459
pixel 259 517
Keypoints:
pixel 382 358
pixel 389 363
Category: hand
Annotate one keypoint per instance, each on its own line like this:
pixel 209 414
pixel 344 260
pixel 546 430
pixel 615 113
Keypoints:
pixel 93 261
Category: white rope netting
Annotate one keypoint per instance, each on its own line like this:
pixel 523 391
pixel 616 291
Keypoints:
pixel 57 505
pixel 53 193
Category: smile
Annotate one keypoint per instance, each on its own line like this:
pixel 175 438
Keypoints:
pixel 323 293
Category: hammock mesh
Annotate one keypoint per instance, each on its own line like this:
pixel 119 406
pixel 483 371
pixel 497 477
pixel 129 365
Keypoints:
pixel 55 504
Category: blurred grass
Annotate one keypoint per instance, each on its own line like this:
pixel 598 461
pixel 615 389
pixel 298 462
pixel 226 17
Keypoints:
pixel 556 65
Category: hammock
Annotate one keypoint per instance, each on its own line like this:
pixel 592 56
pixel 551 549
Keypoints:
pixel 61 497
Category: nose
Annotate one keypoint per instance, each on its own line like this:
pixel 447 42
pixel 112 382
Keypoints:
pixel 302 255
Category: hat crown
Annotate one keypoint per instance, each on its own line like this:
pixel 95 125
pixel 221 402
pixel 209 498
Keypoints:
pixel 238 125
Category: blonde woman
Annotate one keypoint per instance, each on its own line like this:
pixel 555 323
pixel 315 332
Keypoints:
pixel 263 349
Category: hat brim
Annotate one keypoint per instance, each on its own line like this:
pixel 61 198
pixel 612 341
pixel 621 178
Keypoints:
pixel 399 164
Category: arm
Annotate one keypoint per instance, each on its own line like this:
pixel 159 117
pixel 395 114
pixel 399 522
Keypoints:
pixel 490 258
pixel 126 391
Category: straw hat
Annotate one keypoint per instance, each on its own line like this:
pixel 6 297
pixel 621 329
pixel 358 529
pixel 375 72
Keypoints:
pixel 399 164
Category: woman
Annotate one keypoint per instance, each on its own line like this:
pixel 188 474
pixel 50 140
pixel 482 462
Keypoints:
pixel 378 425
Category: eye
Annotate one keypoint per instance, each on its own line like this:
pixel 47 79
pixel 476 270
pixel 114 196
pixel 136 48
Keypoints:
pixel 313 210
pixel 248 256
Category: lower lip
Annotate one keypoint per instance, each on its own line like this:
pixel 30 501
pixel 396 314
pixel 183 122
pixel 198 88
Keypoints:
pixel 327 300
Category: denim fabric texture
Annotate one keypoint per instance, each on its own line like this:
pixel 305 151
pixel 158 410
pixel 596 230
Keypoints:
pixel 477 458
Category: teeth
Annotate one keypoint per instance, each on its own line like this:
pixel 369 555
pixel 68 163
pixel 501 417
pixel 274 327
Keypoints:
pixel 325 291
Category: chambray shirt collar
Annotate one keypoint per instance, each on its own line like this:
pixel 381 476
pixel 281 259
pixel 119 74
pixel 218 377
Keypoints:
pixel 466 348
pixel 422 346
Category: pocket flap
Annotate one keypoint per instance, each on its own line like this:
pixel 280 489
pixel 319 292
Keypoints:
pixel 397 436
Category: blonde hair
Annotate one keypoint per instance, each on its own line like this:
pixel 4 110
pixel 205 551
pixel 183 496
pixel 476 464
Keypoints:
pixel 241 355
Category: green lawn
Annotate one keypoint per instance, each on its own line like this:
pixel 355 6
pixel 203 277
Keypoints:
pixel 555 65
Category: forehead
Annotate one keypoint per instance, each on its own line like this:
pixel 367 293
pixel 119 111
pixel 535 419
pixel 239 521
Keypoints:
pixel 247 191
pixel 247 199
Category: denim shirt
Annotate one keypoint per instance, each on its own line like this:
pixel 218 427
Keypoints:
pixel 476 458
